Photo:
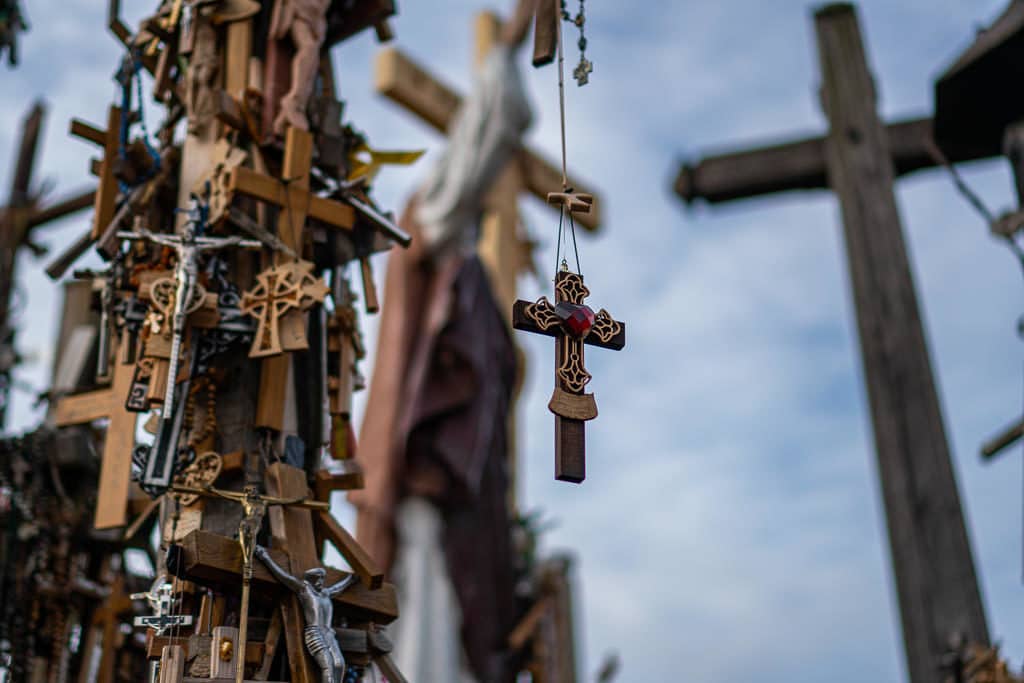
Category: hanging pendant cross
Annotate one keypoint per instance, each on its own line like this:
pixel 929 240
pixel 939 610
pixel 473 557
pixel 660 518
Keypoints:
pixel 573 324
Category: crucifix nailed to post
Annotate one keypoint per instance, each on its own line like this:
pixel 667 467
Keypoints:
pixel 931 554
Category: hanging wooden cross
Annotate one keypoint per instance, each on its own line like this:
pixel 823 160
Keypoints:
pixel 572 323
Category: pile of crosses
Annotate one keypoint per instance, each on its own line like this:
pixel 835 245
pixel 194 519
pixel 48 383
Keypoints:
pixel 224 325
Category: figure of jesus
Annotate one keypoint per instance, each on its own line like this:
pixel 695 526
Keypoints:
pixel 305 22
pixel 317 611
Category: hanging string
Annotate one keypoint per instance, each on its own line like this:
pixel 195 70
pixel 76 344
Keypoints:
pixel 561 96
pixel 973 198
pixel 990 219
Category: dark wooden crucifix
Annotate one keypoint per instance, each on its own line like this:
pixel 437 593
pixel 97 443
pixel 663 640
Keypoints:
pixel 573 324
pixel 858 159
pixel 17 219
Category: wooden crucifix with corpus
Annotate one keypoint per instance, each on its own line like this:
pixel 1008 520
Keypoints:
pixel 931 554
pixel 572 323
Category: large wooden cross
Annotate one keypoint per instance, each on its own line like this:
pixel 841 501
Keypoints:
pixel 17 219
pixel 116 464
pixel 935 577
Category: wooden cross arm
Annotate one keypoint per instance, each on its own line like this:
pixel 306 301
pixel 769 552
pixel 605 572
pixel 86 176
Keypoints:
pixel 210 558
pixel 1006 438
pixel 213 492
pixel 83 408
pixel 521 321
pixel 801 165
pixel 357 558
pixel 405 82
pixel 248 182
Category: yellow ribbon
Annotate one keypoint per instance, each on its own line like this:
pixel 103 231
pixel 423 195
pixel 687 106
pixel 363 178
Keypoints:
pixel 361 168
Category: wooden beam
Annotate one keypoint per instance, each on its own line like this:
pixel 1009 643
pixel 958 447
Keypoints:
pixel 1003 440
pixel 403 81
pixel 362 564
pixel 215 560
pixel 801 165
pixel 931 554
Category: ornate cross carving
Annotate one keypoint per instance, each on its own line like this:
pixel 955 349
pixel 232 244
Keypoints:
pixel 573 324
pixel 279 291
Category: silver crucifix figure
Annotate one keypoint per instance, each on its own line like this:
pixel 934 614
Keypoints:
pixel 161 598
pixel 318 611
pixel 189 246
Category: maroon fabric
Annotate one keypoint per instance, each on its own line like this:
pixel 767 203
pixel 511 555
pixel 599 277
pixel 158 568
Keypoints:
pixel 437 426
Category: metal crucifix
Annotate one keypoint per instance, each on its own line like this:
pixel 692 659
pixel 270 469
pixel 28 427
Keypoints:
pixel 161 598
pixel 572 323
pixel 254 509
pixel 179 296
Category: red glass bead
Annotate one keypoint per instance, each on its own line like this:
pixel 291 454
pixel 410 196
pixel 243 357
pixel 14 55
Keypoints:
pixel 576 318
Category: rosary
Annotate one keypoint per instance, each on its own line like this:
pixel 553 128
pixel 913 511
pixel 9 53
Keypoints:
pixel 583 70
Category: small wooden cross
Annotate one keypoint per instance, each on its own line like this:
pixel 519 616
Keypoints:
pixel 573 324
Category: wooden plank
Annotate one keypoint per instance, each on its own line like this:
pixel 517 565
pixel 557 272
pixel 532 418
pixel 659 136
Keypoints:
pixel 172 664
pixel 401 80
pixel 545 32
pixel 106 191
pixel 254 184
pixel 292 531
pixel 273 389
pixel 63 207
pixel 931 554
pixel 801 165
pixel 83 408
pixel 236 59
pixel 360 561
pixel 88 132
pixel 1004 439
pixel 215 560
pixel 116 467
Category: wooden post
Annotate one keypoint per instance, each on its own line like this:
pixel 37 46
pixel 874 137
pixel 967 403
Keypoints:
pixel 931 553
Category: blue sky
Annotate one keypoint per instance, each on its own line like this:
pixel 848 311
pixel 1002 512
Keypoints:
pixel 730 527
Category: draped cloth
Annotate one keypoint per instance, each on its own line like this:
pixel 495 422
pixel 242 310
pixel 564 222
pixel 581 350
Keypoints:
pixel 436 424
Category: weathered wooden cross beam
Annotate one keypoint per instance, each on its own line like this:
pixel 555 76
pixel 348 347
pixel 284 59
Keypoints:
pixel 116 464
pixel 936 582
pixel 802 164
pixel 17 219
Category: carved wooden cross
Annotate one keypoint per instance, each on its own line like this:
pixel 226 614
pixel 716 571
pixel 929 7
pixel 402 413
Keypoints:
pixel 116 465
pixel 278 292
pixel 572 323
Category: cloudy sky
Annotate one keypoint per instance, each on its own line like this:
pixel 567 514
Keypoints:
pixel 730 527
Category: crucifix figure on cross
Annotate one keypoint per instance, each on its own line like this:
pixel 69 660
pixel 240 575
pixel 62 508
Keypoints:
pixel 572 323
pixel 254 509
pixel 182 296
pixel 161 598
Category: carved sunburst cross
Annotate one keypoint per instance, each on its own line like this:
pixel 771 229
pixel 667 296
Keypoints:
pixel 573 324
